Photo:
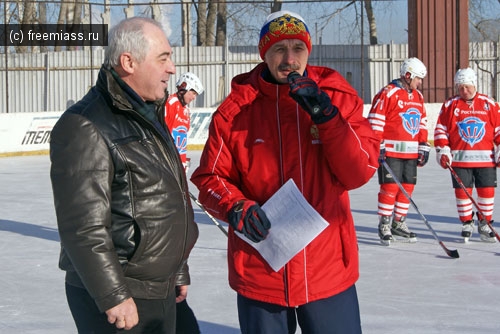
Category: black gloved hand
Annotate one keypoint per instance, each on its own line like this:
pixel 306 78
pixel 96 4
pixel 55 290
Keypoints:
pixel 312 99
pixel 381 156
pixel 423 154
pixel 248 218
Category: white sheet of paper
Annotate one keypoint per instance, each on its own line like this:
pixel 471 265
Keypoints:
pixel 294 224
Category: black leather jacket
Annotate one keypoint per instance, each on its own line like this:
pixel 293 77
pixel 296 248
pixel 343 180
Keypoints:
pixel 121 197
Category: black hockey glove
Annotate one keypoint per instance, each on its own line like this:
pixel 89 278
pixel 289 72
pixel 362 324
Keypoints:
pixel 381 156
pixel 312 99
pixel 248 218
pixel 423 154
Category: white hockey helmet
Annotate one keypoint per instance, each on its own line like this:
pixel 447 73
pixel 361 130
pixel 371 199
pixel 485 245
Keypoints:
pixel 190 81
pixel 466 76
pixel 413 66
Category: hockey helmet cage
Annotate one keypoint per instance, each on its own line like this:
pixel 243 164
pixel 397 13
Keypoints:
pixel 189 81
pixel 466 76
pixel 413 66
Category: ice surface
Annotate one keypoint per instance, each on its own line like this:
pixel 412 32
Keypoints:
pixel 404 288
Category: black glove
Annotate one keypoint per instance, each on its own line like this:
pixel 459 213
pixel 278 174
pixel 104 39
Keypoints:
pixel 248 218
pixel 312 99
pixel 381 156
pixel 423 154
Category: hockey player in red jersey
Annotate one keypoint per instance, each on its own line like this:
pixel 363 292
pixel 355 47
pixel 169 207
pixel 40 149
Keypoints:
pixel 177 113
pixel 178 120
pixel 399 119
pixel 466 137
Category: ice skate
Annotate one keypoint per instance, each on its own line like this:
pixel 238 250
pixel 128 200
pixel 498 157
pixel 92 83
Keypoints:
pixel 467 229
pixel 485 233
pixel 399 228
pixel 384 230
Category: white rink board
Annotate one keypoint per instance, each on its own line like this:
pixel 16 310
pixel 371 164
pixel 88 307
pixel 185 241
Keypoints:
pixel 30 132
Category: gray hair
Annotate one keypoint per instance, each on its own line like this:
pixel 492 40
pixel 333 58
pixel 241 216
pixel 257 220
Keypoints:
pixel 128 36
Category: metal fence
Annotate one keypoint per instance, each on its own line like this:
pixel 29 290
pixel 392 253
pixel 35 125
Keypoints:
pixel 37 82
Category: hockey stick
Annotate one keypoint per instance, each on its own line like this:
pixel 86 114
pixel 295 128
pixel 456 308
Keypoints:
pixel 461 184
pixel 451 253
pixel 208 214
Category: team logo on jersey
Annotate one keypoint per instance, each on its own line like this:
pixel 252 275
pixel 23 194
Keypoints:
pixel 471 130
pixel 411 121
pixel 180 135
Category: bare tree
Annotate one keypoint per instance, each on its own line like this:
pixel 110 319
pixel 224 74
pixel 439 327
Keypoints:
pixel 277 4
pixel 211 22
pixel 220 37
pixel 29 13
pixel 370 16
pixel 484 20
pixel 185 21
pixel 70 15
pixel 28 16
pixel 201 31
pixel 42 19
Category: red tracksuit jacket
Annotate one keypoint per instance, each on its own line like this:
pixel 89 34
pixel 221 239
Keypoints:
pixel 259 138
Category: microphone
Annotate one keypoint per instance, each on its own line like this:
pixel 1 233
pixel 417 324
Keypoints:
pixel 292 76
pixel 315 108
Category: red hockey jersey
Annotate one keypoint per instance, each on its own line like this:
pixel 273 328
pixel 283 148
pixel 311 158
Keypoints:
pixel 177 118
pixel 399 118
pixel 470 129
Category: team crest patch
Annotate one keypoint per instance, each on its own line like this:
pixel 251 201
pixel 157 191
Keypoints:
pixel 411 121
pixel 471 130
pixel 180 135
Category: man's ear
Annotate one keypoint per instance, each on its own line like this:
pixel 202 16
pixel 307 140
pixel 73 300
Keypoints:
pixel 127 63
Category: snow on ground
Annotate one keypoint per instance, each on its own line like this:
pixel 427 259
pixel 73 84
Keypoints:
pixel 404 288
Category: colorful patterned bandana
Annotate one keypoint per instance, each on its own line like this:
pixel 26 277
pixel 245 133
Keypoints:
pixel 283 25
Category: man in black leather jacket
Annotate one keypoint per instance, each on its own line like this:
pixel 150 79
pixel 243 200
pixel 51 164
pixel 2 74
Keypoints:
pixel 120 192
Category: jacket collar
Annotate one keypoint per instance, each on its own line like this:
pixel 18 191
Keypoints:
pixel 121 95
pixel 126 99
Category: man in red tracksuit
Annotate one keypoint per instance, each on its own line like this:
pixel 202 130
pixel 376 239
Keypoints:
pixel 399 119
pixel 466 137
pixel 288 120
